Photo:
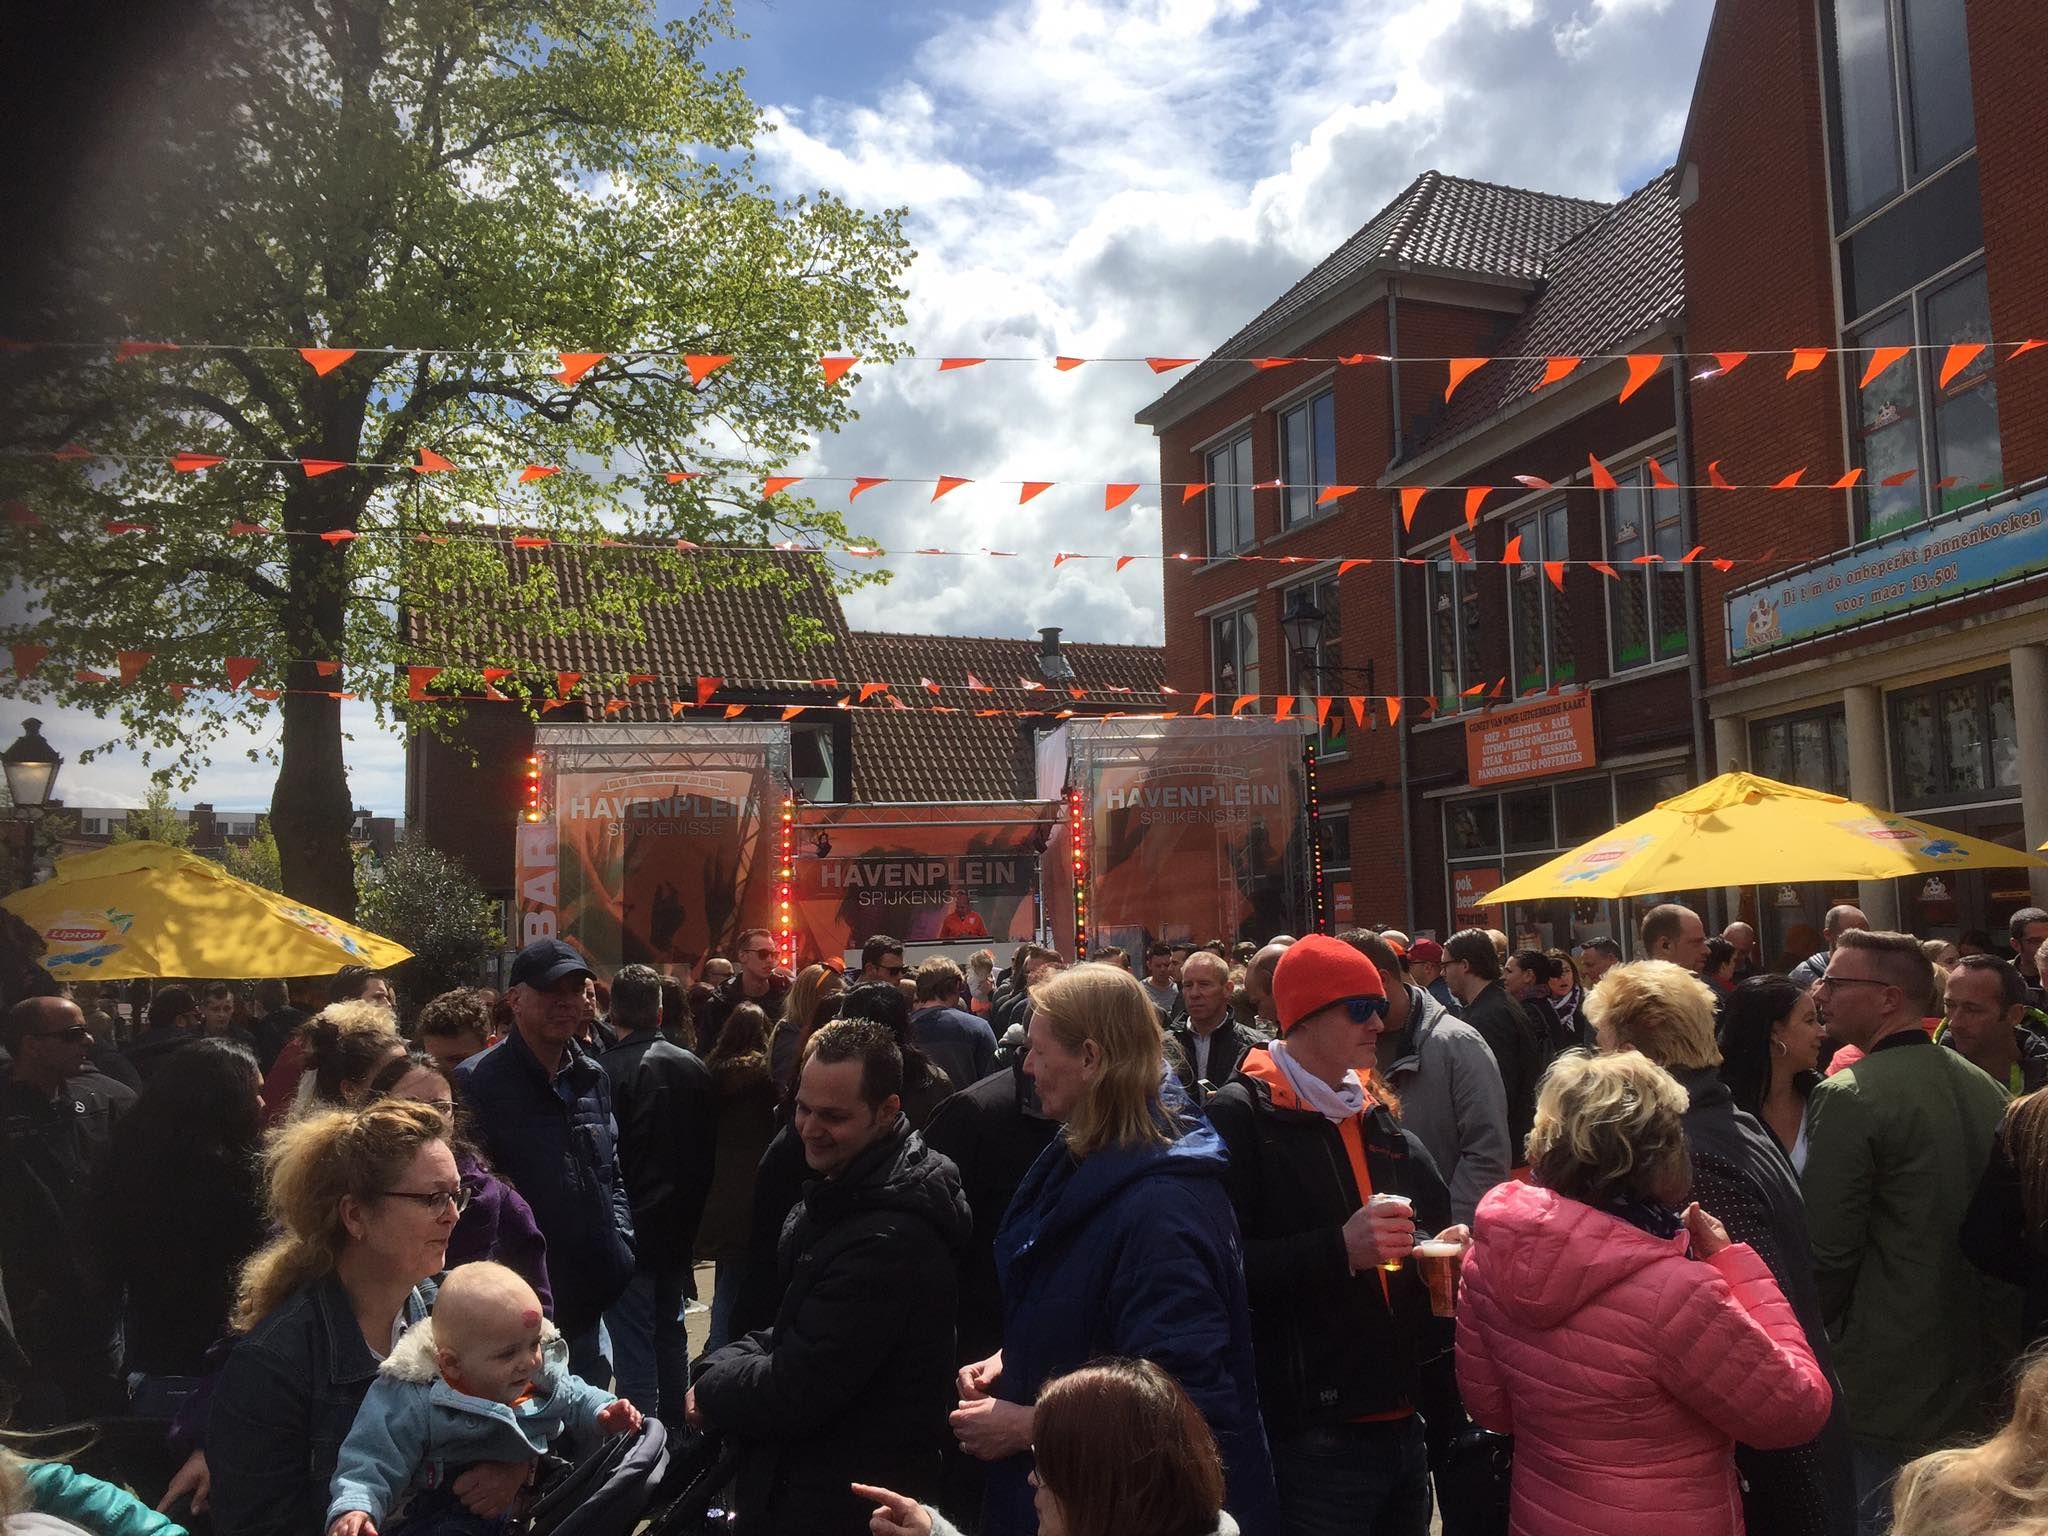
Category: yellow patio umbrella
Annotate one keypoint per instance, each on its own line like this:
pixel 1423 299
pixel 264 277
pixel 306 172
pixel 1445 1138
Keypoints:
pixel 1741 829
pixel 148 909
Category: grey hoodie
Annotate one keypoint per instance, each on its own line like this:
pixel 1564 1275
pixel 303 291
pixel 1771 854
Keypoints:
pixel 1452 1099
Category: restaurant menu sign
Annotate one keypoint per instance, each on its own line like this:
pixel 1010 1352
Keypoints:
pixel 1528 741
pixel 1932 563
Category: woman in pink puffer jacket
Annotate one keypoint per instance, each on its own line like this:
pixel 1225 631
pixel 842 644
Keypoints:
pixel 1625 1368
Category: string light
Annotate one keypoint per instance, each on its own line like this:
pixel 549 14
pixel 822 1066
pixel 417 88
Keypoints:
pixel 1077 836
pixel 532 812
pixel 1315 839
pixel 786 872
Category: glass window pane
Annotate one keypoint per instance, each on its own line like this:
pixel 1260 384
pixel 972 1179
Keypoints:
pixel 1247 652
pixel 1965 413
pixel 1667 510
pixel 1295 466
pixel 1767 750
pixel 1527 813
pixel 1962 731
pixel 1241 476
pixel 1938 82
pixel 1469 658
pixel 1809 753
pixel 1473 826
pixel 1585 809
pixel 1838 753
pixel 1556 546
pixel 1323 410
pixel 2005 745
pixel 1223 643
pixel 1915 750
pixel 1867 104
pixel 1888 431
pixel 1634 796
pixel 1525 609
pixel 1222 502
pixel 1443 635
pixel 1628 598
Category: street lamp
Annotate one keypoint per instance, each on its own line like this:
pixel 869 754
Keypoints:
pixel 32 765
pixel 1302 623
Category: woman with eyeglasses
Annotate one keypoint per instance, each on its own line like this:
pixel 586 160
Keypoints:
pixel 496 1222
pixel 364 1202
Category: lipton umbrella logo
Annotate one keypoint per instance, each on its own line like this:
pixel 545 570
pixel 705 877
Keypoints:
pixel 1603 856
pixel 75 927
pixel 317 925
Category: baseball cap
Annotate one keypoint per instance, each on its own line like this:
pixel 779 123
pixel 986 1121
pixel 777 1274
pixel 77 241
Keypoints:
pixel 545 962
pixel 1318 971
pixel 1428 951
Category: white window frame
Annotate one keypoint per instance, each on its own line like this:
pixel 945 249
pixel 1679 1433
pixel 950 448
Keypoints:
pixel 1528 584
pixel 1241 514
pixel 1329 745
pixel 1636 481
pixel 1294 496
pixel 1244 618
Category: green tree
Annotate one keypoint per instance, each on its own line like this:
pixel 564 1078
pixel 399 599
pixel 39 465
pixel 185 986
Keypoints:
pixel 434 907
pixel 256 861
pixel 479 182
pixel 157 822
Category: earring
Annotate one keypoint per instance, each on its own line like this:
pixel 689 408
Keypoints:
pixel 1777 1047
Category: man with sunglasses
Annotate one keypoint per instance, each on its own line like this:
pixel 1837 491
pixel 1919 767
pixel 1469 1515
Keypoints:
pixel 758 980
pixel 1340 1317
pixel 56 1116
pixel 1895 1147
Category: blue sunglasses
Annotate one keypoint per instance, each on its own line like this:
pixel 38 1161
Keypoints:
pixel 1363 1008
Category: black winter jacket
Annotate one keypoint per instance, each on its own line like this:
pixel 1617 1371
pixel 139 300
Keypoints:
pixel 1228 1047
pixel 1511 1035
pixel 855 1380
pixel 667 1109
pixel 1331 1345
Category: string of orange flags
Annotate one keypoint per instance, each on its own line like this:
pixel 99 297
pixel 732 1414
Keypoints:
pixel 1599 478
pixel 239 672
pixel 572 368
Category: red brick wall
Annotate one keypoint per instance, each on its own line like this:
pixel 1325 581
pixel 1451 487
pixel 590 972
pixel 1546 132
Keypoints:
pixel 468 810
pixel 2008 62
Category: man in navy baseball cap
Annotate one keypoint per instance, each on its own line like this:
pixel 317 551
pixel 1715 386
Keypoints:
pixel 546 961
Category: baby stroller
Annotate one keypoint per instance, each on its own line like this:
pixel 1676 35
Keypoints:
pixel 606 1493
pixel 702 1469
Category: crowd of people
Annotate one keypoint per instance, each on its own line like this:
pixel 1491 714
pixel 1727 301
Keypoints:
pixel 1325 1235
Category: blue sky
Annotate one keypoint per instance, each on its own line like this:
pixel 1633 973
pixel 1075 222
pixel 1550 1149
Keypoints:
pixel 1106 177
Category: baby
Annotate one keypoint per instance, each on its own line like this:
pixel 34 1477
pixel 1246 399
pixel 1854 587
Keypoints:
pixel 485 1378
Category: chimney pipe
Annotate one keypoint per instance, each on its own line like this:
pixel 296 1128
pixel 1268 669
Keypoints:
pixel 1049 640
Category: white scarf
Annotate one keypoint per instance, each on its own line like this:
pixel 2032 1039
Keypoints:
pixel 1334 1104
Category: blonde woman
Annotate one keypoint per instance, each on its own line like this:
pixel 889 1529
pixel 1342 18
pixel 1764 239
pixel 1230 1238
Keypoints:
pixel 802 1012
pixel 1999 1488
pixel 1625 1367
pixel 1120 1241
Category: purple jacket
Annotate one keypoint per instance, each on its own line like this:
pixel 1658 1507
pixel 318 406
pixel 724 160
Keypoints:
pixel 499 1225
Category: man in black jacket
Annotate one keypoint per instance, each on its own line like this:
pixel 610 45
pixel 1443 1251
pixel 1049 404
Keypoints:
pixel 855 1379
pixel 1473 973
pixel 1339 1335
pixel 1203 1037
pixel 758 980
pixel 668 1138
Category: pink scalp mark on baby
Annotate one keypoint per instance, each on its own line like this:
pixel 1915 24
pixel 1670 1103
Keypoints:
pixel 530 1317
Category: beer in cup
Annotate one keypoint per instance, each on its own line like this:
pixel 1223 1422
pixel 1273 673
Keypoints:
pixel 1398 1202
pixel 1440 1260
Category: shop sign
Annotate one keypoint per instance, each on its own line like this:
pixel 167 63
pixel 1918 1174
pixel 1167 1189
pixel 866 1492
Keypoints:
pixel 1340 903
pixel 1469 890
pixel 1527 741
pixel 1788 896
pixel 1932 563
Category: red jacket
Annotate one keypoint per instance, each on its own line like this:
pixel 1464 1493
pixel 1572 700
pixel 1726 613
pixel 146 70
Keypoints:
pixel 1625 1371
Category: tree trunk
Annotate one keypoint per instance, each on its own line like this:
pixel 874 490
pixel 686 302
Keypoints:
pixel 310 809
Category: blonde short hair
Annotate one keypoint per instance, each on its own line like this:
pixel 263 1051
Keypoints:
pixel 1658 1008
pixel 1122 1106
pixel 1608 1128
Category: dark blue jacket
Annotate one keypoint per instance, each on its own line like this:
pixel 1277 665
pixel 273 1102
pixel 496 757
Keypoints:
pixel 1133 1251
pixel 553 1138
pixel 282 1407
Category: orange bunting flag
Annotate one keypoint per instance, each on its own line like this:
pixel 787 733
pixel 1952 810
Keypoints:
pixel 869 690
pixel 534 472
pixel 1353 564
pixel 1190 492
pixel 1459 554
pixel 1512 553
pixel 132 663
pixel 613 706
pixel 576 364
pixel 1692 554
pixel 1393 710
pixel 675 707
pixel 115 530
pixel 337 536
pixel 83 675
pixel 1114 496
pixel 1658 478
pixel 1846 482
pixel 1880 359
pixel 1602 480
pixel 1283 707
pixel 775 485
pixel 240 529
pixel 2024 348
pixel 948 483
pixel 130 350
pixel 1263 363
pixel 1124 560
pixel 1728 362
pixel 1167 364
pixel 1323 704
pixel 1475 690
pixel 1642 367
pixel 326 359
pixel 734 711
pixel 639 679
pixel 1031 488
pixel 791 713
pixel 1892 482
pixel 430 462
pixel 865 483
pixel 928 685
pixel 1244 702
pixel 1499 688
pixel 1554 569
pixel 1534 482
pixel 240 669
pixel 1203 701
pixel 1475 496
pixel 948 364
pixel 186 463
pixel 1605 569
pixel 703 364
pixel 565 683
pixel 417 679
pixel 71 453
pixel 976 685
pixel 1555 370
pixel 1068 364
pixel 1411 498
pixel 315 468
pixel 1959 357
pixel 1062 558
pixel 835 367
pixel 530 541
pixel 1789 481
pixel 1723 566
pixel 707 686
pixel 1715 478
pixel 1806 360
pixel 1462 368
pixel 678 476
pixel 1334 493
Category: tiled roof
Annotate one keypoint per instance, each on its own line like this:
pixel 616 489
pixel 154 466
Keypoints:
pixel 1447 223
pixel 1619 278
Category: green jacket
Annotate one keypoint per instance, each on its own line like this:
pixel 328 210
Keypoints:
pixel 1896 1145
pixel 103 1509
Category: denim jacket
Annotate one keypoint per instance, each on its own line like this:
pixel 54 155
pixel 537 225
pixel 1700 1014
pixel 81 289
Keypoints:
pixel 284 1404
pixel 414 1430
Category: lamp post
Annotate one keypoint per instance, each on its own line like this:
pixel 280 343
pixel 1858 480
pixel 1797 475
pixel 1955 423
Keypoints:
pixel 31 765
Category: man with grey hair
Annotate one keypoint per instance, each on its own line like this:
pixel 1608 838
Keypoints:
pixel 1210 1043
pixel 1258 985
pixel 1840 920
pixel 667 1112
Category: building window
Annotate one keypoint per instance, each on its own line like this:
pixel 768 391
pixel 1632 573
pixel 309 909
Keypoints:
pixel 1899 433
pixel 1539 626
pixel 1231 525
pixel 1810 749
pixel 1308 453
pixel 1333 830
pixel 1454 658
pixel 1902 107
pixel 1324 673
pixel 1646 606
pixel 1234 651
pixel 1954 741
